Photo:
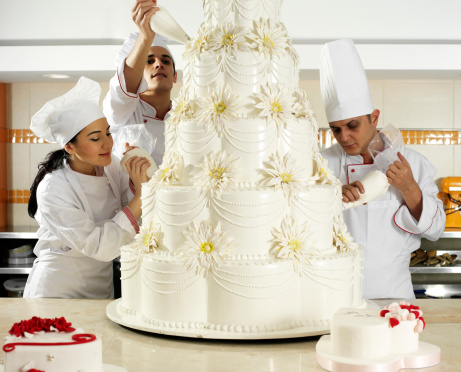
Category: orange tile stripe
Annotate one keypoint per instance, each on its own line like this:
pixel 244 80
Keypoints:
pixel 18 196
pixel 411 137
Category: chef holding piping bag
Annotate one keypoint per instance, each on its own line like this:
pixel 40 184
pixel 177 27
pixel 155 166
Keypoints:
pixel 391 227
pixel 79 199
pixel 140 91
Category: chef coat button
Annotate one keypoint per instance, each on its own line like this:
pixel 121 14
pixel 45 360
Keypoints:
pixel 116 211
pixel 353 170
pixel 108 182
pixel 145 121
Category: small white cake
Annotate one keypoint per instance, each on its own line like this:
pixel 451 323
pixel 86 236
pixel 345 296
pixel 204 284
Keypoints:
pixel 51 345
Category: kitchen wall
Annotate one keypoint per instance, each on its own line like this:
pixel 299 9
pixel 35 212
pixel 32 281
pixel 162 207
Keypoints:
pixel 430 108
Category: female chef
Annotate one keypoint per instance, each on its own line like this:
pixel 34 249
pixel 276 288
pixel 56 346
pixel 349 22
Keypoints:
pixel 79 199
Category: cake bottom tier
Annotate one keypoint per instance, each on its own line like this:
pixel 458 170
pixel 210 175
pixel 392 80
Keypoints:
pixel 241 295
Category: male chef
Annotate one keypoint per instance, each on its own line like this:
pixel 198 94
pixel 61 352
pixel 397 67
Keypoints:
pixel 140 91
pixel 391 227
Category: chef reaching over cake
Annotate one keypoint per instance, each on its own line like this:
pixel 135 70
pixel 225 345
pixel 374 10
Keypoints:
pixel 140 91
pixel 391 227
pixel 79 199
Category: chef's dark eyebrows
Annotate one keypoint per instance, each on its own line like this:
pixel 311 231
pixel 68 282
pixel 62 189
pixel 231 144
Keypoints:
pixel 97 131
pixel 163 55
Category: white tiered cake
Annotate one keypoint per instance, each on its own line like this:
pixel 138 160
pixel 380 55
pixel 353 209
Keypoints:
pixel 242 233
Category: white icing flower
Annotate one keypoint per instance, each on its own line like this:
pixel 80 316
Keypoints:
pixel 302 107
pixel 295 243
pixel 283 172
pixel 341 237
pixel 218 109
pixel 269 39
pixel 206 244
pixel 198 44
pixel 323 173
pixel 181 110
pixel 146 240
pixel 170 170
pixel 217 173
pixel 275 104
pixel 227 39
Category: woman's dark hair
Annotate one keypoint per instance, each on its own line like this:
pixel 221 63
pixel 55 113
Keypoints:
pixel 54 160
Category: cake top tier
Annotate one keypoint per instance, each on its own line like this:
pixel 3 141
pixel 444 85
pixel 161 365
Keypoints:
pixel 240 12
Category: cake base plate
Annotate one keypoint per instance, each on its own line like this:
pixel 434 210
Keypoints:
pixel 132 321
pixel 106 368
pixel 428 355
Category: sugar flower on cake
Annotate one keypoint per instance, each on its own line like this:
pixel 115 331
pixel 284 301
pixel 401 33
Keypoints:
pixel 206 244
pixel 226 40
pixel 295 243
pixel 323 173
pixel 170 170
pixel 146 241
pixel 218 108
pixel 302 107
pixel 217 173
pixel 198 44
pixel 268 38
pixel 181 109
pixel 341 237
pixel 282 172
pixel 275 105
pixel 402 312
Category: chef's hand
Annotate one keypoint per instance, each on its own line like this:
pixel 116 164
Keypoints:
pixel 137 170
pixel 351 191
pixel 141 15
pixel 129 148
pixel 400 175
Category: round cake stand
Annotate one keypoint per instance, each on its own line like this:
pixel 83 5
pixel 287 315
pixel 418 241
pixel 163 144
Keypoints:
pixel 428 355
pixel 132 321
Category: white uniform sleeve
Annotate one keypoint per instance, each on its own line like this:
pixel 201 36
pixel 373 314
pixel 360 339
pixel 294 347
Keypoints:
pixel 432 221
pixel 61 213
pixel 119 105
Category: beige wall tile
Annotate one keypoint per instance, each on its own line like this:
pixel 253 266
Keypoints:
pixel 18 175
pixel 38 153
pixel 312 89
pixel 17 106
pixel 419 104
pixel 457 161
pixel 41 93
pixel 457 103
pixel 17 215
pixel 440 156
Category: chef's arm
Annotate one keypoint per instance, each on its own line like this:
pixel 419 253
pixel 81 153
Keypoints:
pixel 137 59
pixel 137 168
pixel 414 200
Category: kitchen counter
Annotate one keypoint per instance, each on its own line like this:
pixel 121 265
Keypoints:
pixel 141 352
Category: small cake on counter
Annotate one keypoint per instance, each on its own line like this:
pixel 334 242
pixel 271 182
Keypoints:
pixel 51 345
pixel 374 338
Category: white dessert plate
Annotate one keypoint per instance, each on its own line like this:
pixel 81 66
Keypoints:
pixel 132 321
pixel 428 355
pixel 107 368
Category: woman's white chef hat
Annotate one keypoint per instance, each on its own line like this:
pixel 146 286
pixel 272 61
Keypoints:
pixel 64 117
pixel 159 40
pixel 343 82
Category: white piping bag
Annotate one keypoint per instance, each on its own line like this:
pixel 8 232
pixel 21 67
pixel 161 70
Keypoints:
pixel 375 184
pixel 164 24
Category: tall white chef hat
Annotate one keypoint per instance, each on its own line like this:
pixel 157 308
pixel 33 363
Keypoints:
pixel 63 117
pixel 343 82
pixel 125 50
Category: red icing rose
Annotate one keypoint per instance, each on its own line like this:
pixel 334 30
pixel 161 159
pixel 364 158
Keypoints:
pixel 393 322
pixel 416 314
pixel 37 324
pixel 35 370
pixel 383 313
pixel 424 323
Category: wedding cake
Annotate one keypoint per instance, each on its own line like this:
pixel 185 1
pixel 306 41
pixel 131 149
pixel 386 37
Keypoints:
pixel 242 231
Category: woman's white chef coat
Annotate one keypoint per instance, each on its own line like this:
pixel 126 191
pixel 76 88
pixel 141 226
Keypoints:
pixel 385 227
pixel 123 108
pixel 82 227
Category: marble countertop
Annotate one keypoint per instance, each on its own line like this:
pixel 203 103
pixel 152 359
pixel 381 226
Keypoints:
pixel 141 352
